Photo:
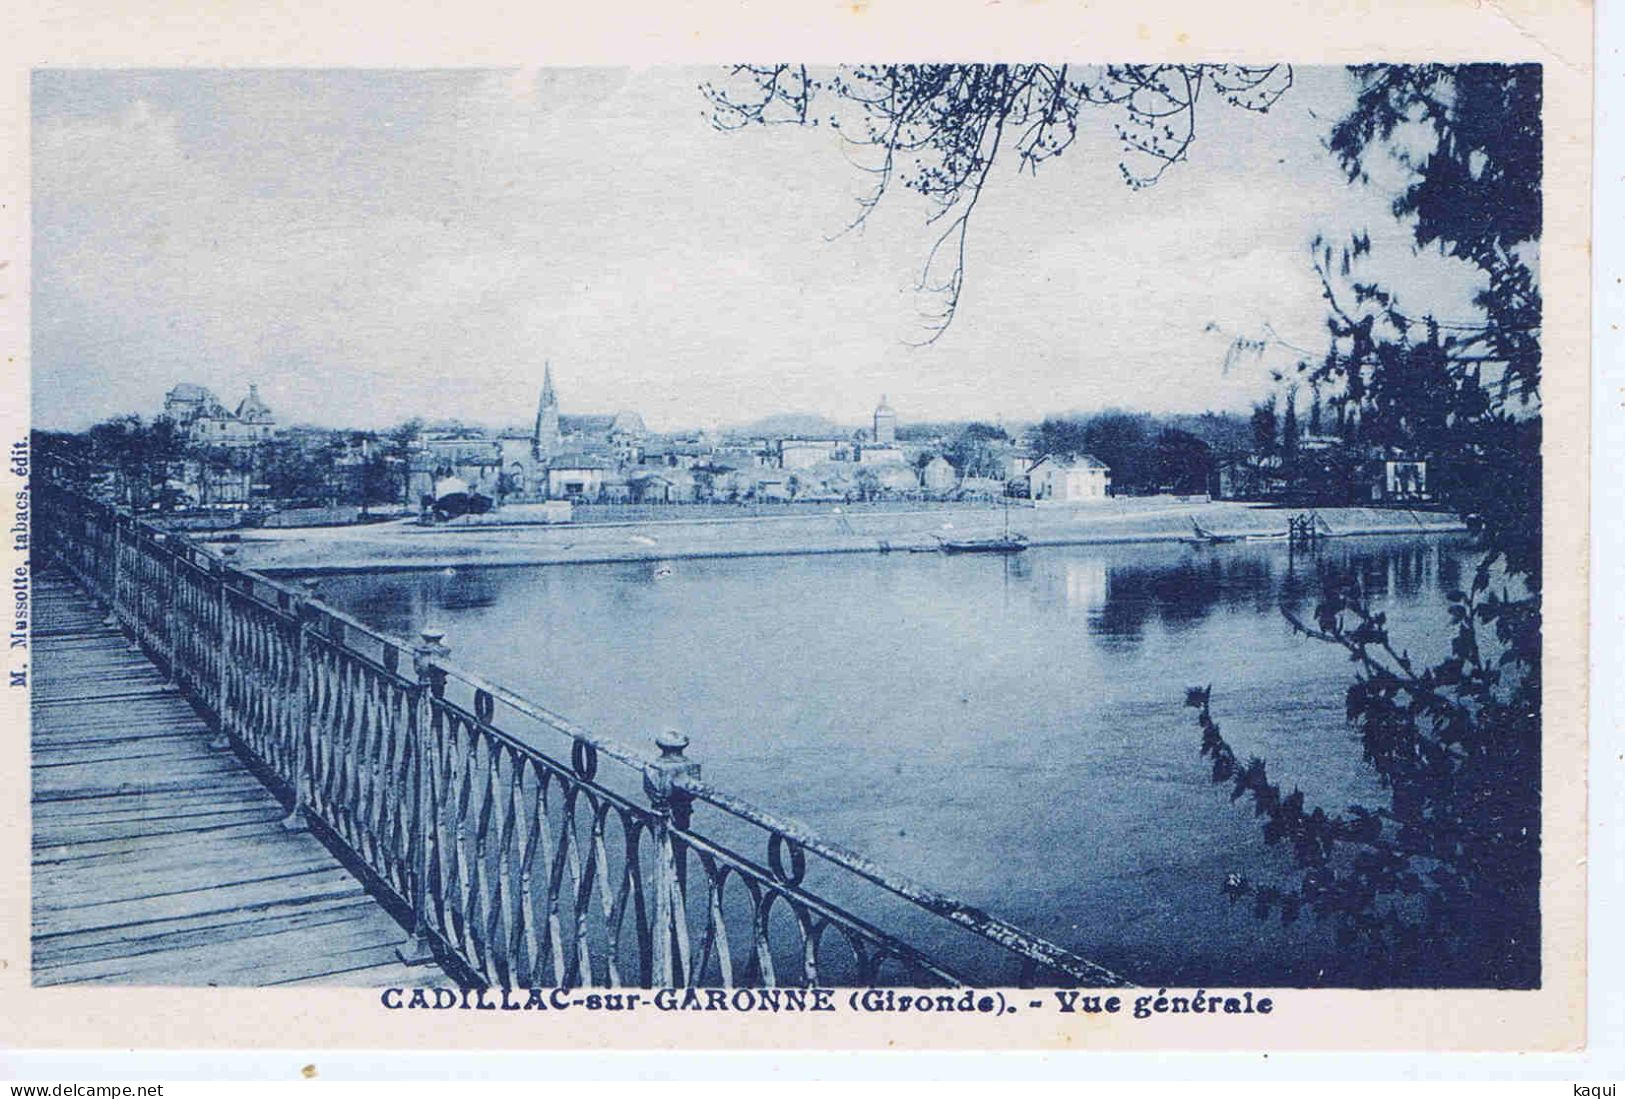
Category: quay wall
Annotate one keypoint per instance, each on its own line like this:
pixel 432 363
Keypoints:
pixel 405 545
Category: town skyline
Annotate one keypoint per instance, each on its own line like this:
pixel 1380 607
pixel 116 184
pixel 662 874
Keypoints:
pixel 908 416
pixel 473 225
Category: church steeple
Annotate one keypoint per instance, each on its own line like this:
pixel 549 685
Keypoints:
pixel 544 441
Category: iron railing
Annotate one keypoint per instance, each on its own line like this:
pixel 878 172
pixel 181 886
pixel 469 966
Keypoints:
pixel 524 851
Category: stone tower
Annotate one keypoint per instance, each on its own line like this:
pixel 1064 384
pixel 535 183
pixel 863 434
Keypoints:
pixel 885 423
pixel 544 441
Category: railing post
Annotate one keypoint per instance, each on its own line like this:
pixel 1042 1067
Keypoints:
pixel 431 680
pixel 107 578
pixel 166 606
pixel 303 690
pixel 118 573
pixel 673 807
pixel 132 604
pixel 104 565
pixel 222 739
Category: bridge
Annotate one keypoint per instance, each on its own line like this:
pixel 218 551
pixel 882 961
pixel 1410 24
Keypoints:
pixel 237 784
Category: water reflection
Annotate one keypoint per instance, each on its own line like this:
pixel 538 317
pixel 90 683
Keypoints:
pixel 1178 590
pixel 1084 583
pixel 1172 588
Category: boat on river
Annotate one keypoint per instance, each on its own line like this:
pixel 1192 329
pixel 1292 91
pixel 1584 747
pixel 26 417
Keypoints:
pixel 1302 528
pixel 1205 537
pixel 1009 543
pixel 1004 543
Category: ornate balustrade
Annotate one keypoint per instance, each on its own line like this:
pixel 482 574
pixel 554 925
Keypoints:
pixel 524 850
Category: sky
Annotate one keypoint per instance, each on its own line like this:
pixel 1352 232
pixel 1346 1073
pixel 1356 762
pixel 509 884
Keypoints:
pixel 368 246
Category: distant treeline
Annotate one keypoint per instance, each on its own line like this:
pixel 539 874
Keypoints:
pixel 1149 453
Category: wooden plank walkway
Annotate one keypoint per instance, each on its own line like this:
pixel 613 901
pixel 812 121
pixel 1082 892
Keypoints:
pixel 160 861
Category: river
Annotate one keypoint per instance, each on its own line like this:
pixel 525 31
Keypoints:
pixel 1007 729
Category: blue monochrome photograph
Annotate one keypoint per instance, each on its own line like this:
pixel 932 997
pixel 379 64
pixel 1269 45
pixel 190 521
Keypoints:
pixel 777 528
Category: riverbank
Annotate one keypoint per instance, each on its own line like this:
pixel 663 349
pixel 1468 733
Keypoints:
pixel 405 545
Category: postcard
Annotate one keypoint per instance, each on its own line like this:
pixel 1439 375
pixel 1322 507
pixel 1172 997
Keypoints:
pixel 863 526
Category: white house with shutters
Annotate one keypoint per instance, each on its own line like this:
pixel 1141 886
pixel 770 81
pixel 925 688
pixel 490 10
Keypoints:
pixel 1068 480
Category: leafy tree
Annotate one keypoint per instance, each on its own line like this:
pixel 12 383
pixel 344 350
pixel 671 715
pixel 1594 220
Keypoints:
pixel 338 480
pixel 1334 476
pixel 225 473
pixel 1225 433
pixel 1289 425
pixel 1266 431
pixel 985 432
pixel 976 451
pixel 938 130
pixel 400 443
pixel 139 456
pixel 113 448
pixel 64 458
pixel 293 471
pixel 1442 884
pixel 1062 437
pixel 1123 441
pixel 381 479
pixel 1182 463
pixel 1127 442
